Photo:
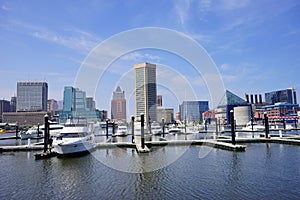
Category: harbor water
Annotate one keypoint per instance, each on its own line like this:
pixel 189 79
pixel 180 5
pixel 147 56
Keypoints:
pixel 263 171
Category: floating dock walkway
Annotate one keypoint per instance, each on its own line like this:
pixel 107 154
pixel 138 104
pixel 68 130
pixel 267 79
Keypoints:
pixel 220 143
pixel 31 147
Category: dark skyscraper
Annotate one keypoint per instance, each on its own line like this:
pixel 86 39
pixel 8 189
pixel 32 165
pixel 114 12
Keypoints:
pixel 287 95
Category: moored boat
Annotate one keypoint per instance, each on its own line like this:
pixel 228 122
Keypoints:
pixel 256 127
pixel 122 130
pixel 156 128
pixel 33 132
pixel 174 129
pixel 74 138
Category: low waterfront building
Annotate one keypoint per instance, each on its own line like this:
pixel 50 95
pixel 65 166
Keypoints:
pixel 24 118
pixel 280 110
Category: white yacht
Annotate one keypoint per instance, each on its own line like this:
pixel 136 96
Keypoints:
pixel 75 138
pixel 156 129
pixel 54 128
pixel 174 129
pixel 31 133
pixel 122 130
pixel 256 127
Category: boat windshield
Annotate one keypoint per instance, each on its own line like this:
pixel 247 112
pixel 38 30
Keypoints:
pixel 71 135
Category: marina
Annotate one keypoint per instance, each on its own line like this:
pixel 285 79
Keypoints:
pixel 253 174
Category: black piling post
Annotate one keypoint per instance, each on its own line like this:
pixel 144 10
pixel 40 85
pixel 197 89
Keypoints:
pixel 284 124
pixel 106 129
pixel 46 132
pixel 17 130
pixel 142 131
pixel 252 127
pixel 232 127
pixel 295 123
pixel 185 126
pixel 132 129
pixel 38 130
pixel 217 131
pixel 113 128
pixel 163 127
pixel 266 125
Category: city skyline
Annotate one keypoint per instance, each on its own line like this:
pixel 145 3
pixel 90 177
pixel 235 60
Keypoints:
pixel 255 45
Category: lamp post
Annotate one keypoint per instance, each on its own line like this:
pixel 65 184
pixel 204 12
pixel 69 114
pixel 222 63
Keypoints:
pixel 232 127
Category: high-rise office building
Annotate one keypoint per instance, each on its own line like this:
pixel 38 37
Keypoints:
pixel 13 104
pixel 287 95
pixel 159 101
pixel 90 103
pixel 4 107
pixel 193 110
pixel 145 91
pixel 52 105
pixel 75 105
pixel 32 96
pixel 118 105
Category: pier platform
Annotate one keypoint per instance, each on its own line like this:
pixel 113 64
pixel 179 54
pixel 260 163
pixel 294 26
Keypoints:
pixel 10 138
pixel 21 148
pixel 45 155
pixel 139 148
pixel 223 142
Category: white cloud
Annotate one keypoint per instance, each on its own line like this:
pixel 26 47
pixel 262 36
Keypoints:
pixel 73 38
pixel 182 10
pixel 225 66
pixel 138 57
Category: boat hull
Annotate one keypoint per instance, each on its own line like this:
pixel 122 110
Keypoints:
pixel 78 147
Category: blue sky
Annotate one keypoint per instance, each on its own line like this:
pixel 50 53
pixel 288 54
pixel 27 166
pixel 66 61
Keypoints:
pixel 255 44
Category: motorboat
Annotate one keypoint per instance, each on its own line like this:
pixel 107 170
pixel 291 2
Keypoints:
pixel 256 127
pixel 122 130
pixel 156 129
pixel 173 129
pixel 75 138
pixel 32 133
pixel 54 128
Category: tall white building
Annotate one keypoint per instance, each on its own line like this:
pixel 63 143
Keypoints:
pixel 145 91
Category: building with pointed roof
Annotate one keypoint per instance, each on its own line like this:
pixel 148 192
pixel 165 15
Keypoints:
pixel 241 108
pixel 118 105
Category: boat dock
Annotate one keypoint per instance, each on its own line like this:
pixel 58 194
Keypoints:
pixel 31 147
pixel 10 138
pixel 223 142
